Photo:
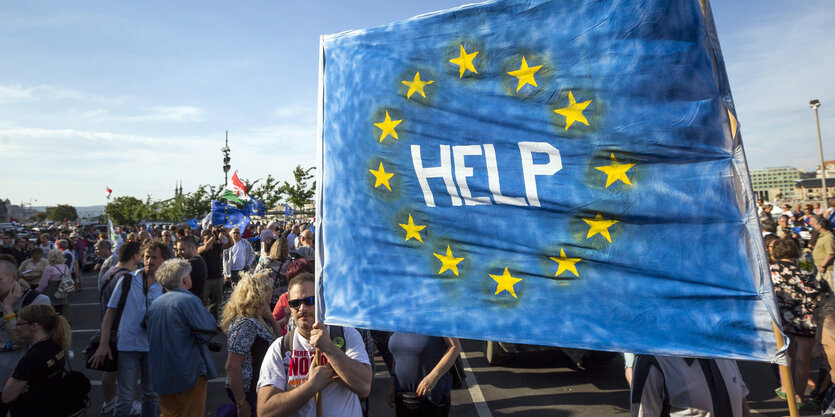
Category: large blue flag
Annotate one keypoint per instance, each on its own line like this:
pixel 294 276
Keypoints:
pixel 228 216
pixel 565 173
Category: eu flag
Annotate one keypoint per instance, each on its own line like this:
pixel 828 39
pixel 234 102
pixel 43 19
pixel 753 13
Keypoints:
pixel 565 173
pixel 254 207
pixel 228 216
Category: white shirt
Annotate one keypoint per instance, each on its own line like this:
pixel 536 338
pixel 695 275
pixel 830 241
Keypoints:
pixel 238 256
pixel 337 399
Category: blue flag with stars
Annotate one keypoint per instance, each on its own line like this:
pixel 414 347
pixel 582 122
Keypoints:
pixel 254 207
pixel 228 216
pixel 541 172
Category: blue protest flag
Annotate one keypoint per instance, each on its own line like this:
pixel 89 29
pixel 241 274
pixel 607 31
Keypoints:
pixel 254 207
pixel 193 223
pixel 288 211
pixel 228 216
pixel 549 173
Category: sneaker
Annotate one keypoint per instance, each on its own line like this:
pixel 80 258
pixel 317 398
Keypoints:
pixel 136 408
pixel 808 404
pixel 780 393
pixel 107 407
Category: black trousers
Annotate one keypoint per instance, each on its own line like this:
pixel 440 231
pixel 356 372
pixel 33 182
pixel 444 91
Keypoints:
pixel 423 408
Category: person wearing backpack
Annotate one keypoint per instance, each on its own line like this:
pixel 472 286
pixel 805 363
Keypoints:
pixel 13 298
pixel 51 279
pixel 30 391
pixel 132 344
pixel 128 262
pixel 288 383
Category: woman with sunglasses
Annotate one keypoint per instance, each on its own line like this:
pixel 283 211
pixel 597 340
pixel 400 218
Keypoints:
pixel 250 329
pixel 37 374
pixel 421 383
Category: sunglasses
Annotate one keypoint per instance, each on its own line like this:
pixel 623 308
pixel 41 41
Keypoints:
pixel 297 304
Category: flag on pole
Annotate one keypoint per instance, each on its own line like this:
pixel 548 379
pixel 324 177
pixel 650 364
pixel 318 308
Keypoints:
pixel 207 221
pixel 237 186
pixel 254 207
pixel 548 173
pixel 115 239
pixel 289 211
pixel 108 191
pixel 230 196
pixel 228 216
pixel 193 223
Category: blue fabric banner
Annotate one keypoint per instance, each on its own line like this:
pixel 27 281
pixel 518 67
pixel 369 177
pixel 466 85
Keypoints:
pixel 193 223
pixel 254 207
pixel 541 172
pixel 228 216
pixel 288 211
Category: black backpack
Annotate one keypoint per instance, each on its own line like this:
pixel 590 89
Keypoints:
pixel 72 392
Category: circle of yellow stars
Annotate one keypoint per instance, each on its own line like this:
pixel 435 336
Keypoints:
pixel 467 61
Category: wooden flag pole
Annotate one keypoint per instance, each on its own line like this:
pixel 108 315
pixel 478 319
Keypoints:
pixel 786 377
pixel 317 360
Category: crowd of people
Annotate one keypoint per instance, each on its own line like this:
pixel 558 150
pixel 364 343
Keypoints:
pixel 167 292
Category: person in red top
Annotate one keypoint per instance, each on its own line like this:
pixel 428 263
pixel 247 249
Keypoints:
pixel 281 312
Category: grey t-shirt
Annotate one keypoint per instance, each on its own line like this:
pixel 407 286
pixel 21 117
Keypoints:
pixel 8 360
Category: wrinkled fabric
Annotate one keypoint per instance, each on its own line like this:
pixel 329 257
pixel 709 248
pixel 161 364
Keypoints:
pixel 505 175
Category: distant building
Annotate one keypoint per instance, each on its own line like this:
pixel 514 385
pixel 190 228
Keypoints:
pixel 830 169
pixel 777 182
pixel 810 189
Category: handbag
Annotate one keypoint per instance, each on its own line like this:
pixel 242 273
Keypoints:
pixel 109 365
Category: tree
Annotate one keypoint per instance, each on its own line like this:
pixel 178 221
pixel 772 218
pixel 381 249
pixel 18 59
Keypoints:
pixel 268 192
pixel 127 210
pixel 61 212
pixel 199 202
pixel 40 216
pixel 300 193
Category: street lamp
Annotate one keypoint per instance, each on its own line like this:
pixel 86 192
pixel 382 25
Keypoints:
pixel 814 104
pixel 226 159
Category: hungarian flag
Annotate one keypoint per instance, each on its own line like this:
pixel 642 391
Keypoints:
pixel 108 190
pixel 230 196
pixel 237 186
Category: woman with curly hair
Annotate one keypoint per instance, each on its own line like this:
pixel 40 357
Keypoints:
pixel 798 293
pixel 250 329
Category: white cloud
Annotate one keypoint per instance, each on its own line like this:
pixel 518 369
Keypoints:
pixel 44 92
pixel 176 114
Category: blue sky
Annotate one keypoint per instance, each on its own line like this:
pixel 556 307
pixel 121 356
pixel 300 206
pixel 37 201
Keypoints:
pixel 138 95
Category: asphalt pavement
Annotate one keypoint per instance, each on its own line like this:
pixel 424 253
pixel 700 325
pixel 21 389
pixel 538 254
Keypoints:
pixel 535 384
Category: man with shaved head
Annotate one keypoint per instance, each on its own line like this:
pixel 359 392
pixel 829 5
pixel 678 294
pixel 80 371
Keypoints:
pixel 305 248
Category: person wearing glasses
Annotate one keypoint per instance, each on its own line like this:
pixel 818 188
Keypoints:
pixel 39 371
pixel 288 384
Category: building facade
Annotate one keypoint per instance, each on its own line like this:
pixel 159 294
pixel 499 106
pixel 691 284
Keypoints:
pixel 810 189
pixel 776 183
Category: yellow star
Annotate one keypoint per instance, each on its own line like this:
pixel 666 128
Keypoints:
pixel 616 171
pixel 525 74
pixel 413 230
pixel 464 62
pixel 387 126
pixel 505 282
pixel 416 85
pixel 574 111
pixel 448 262
pixel 565 264
pixel 382 177
pixel 598 225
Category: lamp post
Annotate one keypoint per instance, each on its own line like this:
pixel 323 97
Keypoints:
pixel 814 104
pixel 226 159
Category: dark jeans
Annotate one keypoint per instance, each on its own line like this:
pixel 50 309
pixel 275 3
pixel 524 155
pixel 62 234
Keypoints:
pixel 423 408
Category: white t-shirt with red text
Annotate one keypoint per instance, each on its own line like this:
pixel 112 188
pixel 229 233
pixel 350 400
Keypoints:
pixel 337 399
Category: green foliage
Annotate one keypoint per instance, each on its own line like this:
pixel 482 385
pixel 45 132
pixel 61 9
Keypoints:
pixel 40 216
pixel 61 212
pixel 300 193
pixel 268 192
pixel 126 210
